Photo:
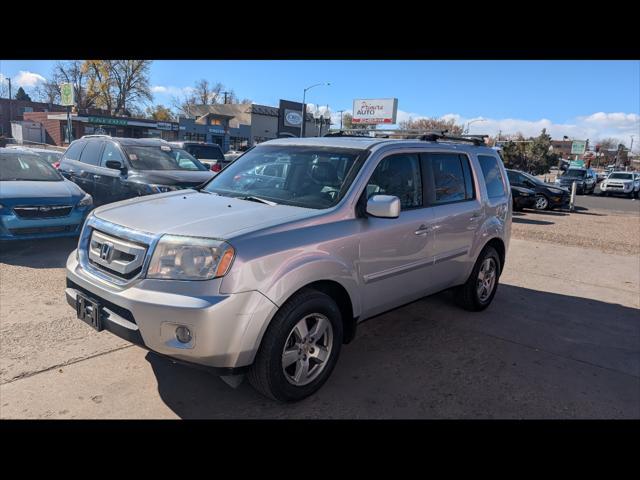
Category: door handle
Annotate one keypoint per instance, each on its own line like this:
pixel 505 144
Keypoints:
pixel 422 230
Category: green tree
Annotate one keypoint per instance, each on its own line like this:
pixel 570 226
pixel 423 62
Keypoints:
pixel 22 95
pixel 540 156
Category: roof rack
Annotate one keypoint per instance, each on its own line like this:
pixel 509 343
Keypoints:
pixel 427 136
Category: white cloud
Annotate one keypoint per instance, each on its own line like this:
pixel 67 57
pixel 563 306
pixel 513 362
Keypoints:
pixel 171 90
pixel 598 125
pixel 28 79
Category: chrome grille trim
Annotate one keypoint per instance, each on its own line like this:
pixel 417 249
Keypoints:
pixel 107 251
pixel 94 224
pixel 42 212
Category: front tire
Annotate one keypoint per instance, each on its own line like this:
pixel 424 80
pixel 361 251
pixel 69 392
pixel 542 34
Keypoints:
pixel 480 288
pixel 299 349
pixel 542 203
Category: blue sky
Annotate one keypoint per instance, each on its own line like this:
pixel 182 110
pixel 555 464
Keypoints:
pixel 574 98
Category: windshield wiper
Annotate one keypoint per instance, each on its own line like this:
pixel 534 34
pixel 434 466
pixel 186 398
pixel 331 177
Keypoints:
pixel 252 198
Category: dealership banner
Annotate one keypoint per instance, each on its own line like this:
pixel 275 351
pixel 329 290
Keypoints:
pixel 375 111
pixel 289 119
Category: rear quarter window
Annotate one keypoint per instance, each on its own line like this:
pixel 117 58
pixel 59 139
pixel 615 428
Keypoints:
pixel 74 151
pixel 492 174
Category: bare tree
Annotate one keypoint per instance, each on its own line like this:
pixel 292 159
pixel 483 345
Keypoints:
pixel 207 93
pixel 47 92
pixel 131 83
pixel 432 124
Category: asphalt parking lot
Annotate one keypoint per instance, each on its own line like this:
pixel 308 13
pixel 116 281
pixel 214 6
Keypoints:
pixel 561 340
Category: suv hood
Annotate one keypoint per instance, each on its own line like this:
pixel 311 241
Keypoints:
pixel 180 178
pixel 198 214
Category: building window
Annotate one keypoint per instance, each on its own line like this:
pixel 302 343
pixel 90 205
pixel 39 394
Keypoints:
pixel 195 137
pixel 236 143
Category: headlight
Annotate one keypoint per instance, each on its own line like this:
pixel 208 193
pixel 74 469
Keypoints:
pixel 161 188
pixel 86 201
pixel 190 258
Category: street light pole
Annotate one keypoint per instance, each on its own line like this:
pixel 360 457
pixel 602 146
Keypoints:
pixel 472 121
pixel 340 112
pixel 304 106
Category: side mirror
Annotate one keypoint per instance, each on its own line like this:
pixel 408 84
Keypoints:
pixel 116 165
pixel 383 206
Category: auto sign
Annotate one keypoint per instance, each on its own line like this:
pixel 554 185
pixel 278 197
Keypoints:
pixel 375 111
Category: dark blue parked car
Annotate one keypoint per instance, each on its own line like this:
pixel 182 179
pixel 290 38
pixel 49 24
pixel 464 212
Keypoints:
pixel 36 201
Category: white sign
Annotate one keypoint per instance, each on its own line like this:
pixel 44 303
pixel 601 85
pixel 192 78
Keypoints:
pixel 375 111
pixel 292 118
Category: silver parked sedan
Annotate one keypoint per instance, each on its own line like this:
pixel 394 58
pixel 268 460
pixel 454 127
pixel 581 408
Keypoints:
pixel 268 268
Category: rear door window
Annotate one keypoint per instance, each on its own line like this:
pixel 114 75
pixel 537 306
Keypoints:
pixel 91 153
pixel 492 176
pixel 449 178
pixel 111 152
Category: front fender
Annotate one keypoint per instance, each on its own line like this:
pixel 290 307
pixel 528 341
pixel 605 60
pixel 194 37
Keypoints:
pixel 290 277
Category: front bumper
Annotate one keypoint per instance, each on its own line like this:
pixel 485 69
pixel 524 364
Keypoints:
pixel 226 329
pixel 623 190
pixel 13 227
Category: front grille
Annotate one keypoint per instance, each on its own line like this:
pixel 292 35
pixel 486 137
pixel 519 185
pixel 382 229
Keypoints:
pixel 115 256
pixel 36 230
pixel 43 211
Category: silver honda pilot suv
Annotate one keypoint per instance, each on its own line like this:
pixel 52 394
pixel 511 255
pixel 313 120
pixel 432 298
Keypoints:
pixel 267 269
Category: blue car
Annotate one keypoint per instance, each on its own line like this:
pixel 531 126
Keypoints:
pixel 36 201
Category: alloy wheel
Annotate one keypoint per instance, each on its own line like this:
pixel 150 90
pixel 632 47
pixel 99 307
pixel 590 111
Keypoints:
pixel 541 202
pixel 307 349
pixel 486 279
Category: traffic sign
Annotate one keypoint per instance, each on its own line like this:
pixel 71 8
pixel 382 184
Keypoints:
pixel 578 147
pixel 66 95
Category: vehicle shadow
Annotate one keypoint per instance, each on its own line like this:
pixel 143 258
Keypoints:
pixel 550 213
pixel 531 354
pixel 530 221
pixel 45 253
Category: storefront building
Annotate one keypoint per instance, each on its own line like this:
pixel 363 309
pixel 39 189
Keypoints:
pixel 55 126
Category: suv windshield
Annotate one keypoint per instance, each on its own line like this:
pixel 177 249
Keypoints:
pixel 311 177
pixel 26 167
pixel 162 158
pixel 205 152
pixel 622 176
pixel 575 173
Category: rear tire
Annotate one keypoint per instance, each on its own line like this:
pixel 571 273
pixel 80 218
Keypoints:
pixel 268 374
pixel 471 296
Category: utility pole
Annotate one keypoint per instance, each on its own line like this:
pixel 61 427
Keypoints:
pixel 340 112
pixel 10 103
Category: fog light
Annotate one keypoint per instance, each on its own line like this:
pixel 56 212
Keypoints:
pixel 183 334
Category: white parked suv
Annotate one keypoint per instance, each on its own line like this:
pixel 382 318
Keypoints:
pixel 621 183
